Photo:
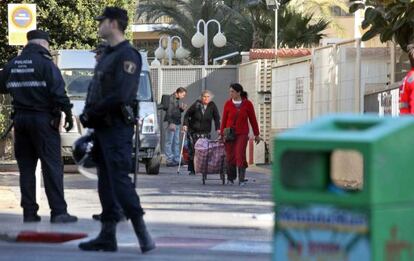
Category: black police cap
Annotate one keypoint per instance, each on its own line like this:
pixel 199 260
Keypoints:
pixel 38 34
pixel 114 13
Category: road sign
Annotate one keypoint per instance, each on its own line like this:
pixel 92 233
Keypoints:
pixel 21 19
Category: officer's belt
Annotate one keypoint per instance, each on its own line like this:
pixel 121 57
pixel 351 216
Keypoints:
pixel 32 109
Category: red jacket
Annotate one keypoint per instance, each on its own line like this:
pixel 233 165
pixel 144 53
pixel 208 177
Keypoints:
pixel 246 113
pixel 407 94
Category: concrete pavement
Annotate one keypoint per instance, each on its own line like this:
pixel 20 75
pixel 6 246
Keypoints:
pixel 189 221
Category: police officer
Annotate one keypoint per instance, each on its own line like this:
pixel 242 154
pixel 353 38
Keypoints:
pixel 407 88
pixel 39 96
pixel 108 110
pixel 98 51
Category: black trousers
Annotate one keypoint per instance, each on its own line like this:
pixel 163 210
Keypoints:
pixel 113 155
pixel 35 139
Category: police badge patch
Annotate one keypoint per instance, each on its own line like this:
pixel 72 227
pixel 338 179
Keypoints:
pixel 129 67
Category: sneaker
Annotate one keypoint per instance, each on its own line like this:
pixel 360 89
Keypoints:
pixel 172 164
pixel 242 184
pixel 191 173
pixel 63 218
pixel 230 182
pixel 31 218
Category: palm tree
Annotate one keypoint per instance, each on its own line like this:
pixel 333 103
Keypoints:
pixel 185 15
pixel 300 30
pixel 245 27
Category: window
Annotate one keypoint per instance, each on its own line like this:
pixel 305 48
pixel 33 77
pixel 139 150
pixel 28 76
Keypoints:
pixel 77 83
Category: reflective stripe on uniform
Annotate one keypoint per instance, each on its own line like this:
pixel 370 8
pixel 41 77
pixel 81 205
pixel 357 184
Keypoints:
pixel 27 70
pixel 26 84
pixel 403 105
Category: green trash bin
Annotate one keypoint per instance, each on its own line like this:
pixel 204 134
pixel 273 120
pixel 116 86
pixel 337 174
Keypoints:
pixel 343 188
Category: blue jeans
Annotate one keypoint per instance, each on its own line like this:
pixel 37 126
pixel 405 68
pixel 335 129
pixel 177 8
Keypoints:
pixel 172 144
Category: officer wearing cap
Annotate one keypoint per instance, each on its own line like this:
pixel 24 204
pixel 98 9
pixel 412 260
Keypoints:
pixel 39 96
pixel 100 48
pixel 108 108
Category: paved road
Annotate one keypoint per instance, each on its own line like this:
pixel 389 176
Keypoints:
pixel 189 221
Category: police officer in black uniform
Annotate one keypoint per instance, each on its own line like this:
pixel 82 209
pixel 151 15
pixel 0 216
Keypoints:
pixel 39 96
pixel 109 110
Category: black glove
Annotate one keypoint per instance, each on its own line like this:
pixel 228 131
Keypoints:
pixel 84 119
pixel 68 120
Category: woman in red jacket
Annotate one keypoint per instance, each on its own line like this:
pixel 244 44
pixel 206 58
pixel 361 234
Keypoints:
pixel 238 112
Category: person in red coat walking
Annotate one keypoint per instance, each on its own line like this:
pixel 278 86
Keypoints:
pixel 407 88
pixel 238 112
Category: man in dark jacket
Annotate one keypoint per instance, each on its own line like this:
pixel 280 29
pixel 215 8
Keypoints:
pixel 197 123
pixel 173 119
pixel 39 96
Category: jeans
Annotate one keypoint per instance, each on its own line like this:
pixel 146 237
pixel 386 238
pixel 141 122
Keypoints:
pixel 172 144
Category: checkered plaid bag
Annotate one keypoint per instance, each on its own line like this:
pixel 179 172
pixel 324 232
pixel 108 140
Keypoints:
pixel 209 156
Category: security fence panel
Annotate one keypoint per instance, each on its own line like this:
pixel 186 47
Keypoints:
pixel 155 78
pixel 291 96
pixel 324 75
pixel 218 80
pixel 255 76
pixel 347 84
pixel 166 79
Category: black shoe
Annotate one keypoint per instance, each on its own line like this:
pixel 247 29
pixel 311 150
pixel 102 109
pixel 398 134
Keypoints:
pixel 106 240
pixel 144 238
pixel 31 218
pixel 191 173
pixel 63 218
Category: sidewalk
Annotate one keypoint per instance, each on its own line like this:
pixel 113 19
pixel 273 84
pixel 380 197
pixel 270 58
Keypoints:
pixel 189 221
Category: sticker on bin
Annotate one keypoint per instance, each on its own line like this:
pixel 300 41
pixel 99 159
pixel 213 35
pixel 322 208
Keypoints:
pixel 316 233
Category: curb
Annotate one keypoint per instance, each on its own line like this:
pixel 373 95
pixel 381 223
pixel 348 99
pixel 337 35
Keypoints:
pixel 6 167
pixel 40 237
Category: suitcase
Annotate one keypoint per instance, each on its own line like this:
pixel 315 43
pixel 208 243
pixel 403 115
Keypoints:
pixel 209 158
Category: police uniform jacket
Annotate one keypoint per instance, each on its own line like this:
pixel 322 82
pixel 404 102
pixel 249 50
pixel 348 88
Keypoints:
pixel 115 84
pixel 34 81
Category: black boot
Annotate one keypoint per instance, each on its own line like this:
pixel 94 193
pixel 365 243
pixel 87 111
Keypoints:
pixel 231 174
pixel 106 240
pixel 242 175
pixel 144 238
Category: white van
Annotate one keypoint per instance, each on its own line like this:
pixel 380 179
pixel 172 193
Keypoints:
pixel 77 70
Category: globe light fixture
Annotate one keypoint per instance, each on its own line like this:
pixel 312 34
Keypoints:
pixel 199 40
pixel 168 53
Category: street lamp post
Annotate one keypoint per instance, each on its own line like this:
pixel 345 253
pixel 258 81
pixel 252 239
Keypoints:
pixel 274 4
pixel 161 53
pixel 199 40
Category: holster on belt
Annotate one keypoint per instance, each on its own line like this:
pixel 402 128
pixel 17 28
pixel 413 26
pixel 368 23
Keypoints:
pixel 128 114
